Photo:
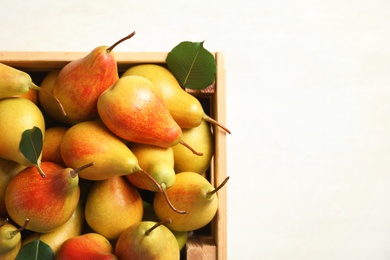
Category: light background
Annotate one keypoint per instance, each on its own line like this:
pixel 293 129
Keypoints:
pixel 308 91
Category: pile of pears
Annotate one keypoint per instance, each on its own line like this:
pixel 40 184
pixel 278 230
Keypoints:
pixel 121 170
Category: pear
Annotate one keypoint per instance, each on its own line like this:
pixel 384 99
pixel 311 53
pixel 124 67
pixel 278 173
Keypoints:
pixel 92 141
pixel 133 109
pixel 8 169
pixel 10 239
pixel 155 160
pixel 32 95
pixel 14 82
pixel 185 109
pixel 112 205
pixel 17 115
pixel 202 139
pixel 196 195
pixel 48 202
pixel 80 82
pixel 86 246
pixel 54 239
pixel 47 104
pixel 51 145
pixel 147 240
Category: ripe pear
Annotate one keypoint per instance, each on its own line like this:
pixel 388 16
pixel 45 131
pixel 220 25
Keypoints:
pixel 80 82
pixel 8 169
pixel 86 246
pixel 147 240
pixel 17 115
pixel 14 82
pixel 54 239
pixel 48 202
pixel 47 104
pixel 185 109
pixel 10 239
pixel 51 145
pixel 92 141
pixel 112 205
pixel 196 195
pixel 202 139
pixel 133 109
pixel 155 160
pixel 32 95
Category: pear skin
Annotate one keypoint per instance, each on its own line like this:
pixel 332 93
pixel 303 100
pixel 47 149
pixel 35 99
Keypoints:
pixel 51 146
pixel 80 82
pixel 14 82
pixel 10 238
pixel 155 160
pixel 112 205
pixel 92 141
pixel 8 169
pixel 202 139
pixel 48 104
pixel 17 115
pixel 133 110
pixel 32 95
pixel 86 246
pixel 185 108
pixel 48 202
pixel 145 240
pixel 73 227
pixel 190 192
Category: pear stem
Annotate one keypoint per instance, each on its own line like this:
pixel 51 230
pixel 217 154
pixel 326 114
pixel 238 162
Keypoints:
pixel 109 49
pixel 163 222
pixel 40 170
pixel 33 86
pixel 13 233
pixel 215 122
pixel 4 222
pixel 160 189
pixel 74 172
pixel 191 149
pixel 210 193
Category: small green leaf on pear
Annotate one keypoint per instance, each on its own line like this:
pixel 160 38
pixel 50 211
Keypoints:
pixel 31 144
pixel 35 250
pixel 193 66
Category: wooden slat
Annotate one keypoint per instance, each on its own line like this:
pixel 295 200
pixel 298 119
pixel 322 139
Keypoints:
pixel 201 248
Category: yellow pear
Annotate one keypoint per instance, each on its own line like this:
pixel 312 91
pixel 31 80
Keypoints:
pixel 201 138
pixel 51 146
pixel 155 160
pixel 185 109
pixel 17 115
pixel 8 169
pixel 54 239
pixel 112 205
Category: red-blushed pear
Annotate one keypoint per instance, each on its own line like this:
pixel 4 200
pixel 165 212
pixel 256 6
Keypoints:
pixel 93 141
pixel 196 195
pixel 8 169
pixel 112 205
pixel 54 239
pixel 133 109
pixel 88 246
pixel 147 240
pixel 48 202
pixel 10 238
pixel 80 82
pixel 184 107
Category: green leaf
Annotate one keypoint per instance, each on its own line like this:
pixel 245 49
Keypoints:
pixel 35 250
pixel 193 66
pixel 31 144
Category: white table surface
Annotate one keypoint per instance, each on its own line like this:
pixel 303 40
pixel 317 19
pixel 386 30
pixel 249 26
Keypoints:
pixel 308 102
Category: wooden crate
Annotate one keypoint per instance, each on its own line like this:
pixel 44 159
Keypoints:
pixel 210 243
